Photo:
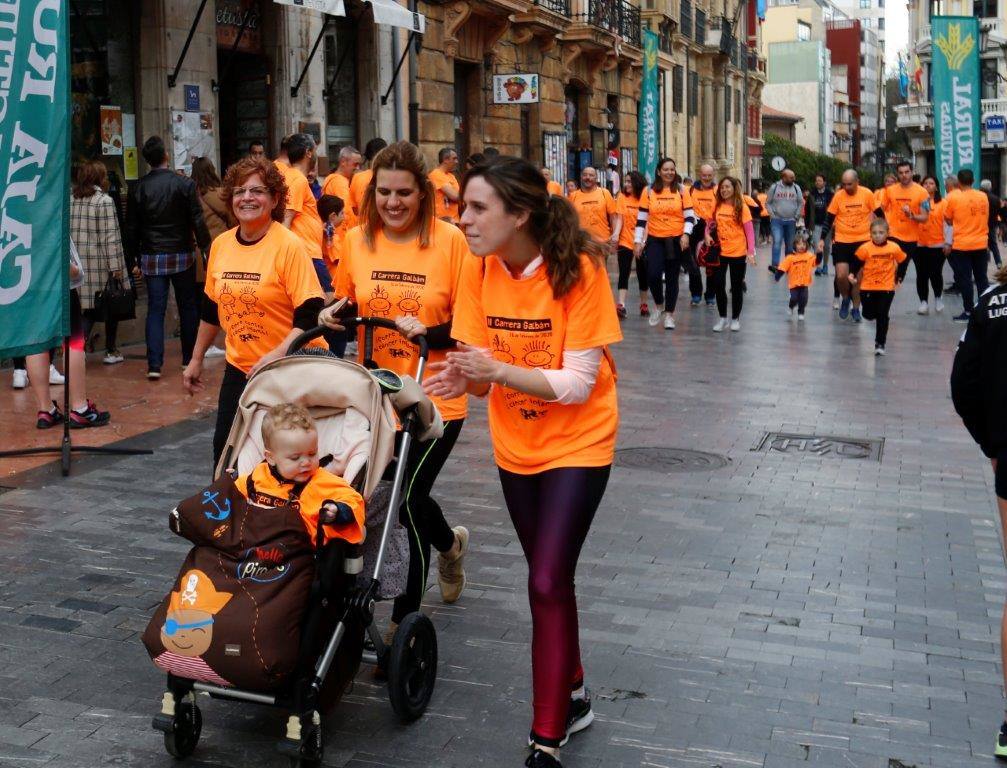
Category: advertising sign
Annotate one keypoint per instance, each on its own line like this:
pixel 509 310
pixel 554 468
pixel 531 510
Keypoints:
pixel 515 89
pixel 954 74
pixel 996 129
pixel 650 125
pixel 111 130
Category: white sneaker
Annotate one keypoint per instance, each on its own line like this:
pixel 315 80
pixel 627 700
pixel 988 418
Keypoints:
pixel 835 303
pixel 55 377
pixel 721 325
pixel 735 325
pixel 924 309
pixel 938 305
pixel 800 318
pixel 215 351
pixel 20 378
pixel 113 357
pixel 792 312
pixel 879 351
pixel 669 322
pixel 655 318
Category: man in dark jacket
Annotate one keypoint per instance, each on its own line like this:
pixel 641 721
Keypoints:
pixel 821 196
pixel 163 215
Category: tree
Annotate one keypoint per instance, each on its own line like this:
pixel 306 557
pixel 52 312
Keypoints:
pixel 805 164
pixel 896 139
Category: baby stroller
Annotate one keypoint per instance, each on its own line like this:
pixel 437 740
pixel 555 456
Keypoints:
pixel 355 411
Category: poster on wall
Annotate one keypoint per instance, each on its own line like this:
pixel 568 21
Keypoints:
pixel 111 130
pixel 192 136
pixel 515 89
pixel 130 164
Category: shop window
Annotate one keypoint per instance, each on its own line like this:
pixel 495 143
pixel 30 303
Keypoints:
pixel 340 88
pixel 677 88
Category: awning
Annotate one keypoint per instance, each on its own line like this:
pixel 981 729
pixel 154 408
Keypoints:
pixel 385 12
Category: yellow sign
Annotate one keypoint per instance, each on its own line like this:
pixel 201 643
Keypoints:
pixel 131 166
pixel 954 48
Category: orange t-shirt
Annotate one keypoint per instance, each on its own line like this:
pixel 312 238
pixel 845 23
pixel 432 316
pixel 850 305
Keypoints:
pixel 554 188
pixel 853 215
pixel 968 211
pixel 358 184
pixel 307 224
pixel 798 267
pixel 628 207
pixel 323 486
pixel 932 230
pixel 594 208
pixel 731 232
pixel 338 185
pixel 257 288
pixel 880 264
pixel 440 179
pixel 522 323
pixel 900 226
pixel 397 279
pixel 666 217
pixel 762 197
pixel 704 201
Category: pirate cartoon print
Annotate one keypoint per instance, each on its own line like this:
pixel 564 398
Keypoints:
pixel 188 628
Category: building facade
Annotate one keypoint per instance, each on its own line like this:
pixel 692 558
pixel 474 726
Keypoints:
pixel 800 82
pixel 857 49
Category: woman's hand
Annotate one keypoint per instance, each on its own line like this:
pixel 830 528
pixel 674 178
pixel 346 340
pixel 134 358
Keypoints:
pixel 447 382
pixel 410 327
pixel 751 259
pixel 684 242
pixel 708 240
pixel 329 317
pixel 117 274
pixel 137 274
pixel 192 376
pixel 74 271
pixel 637 250
pixel 266 359
pixel 477 366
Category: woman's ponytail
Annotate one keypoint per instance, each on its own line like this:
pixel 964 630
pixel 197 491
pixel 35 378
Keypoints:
pixel 563 241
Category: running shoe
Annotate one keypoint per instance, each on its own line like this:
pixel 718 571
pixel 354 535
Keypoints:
pixel 963 317
pixel 20 378
pixel 711 302
pixel 55 377
pixel 721 325
pixel 938 306
pixel 644 310
pixel 696 301
pixel 620 310
pixel 542 759
pixel 771 269
pixel 215 351
pixel 879 350
pixel 579 717
pixel 669 322
pixel 451 570
pixel 924 308
pixel 855 315
pixel 791 313
pixel 655 319
pixel 1000 748
pixel 89 417
pixel 835 303
pixel 112 357
pixel 51 418
pixel 153 374
pixel 800 317
pixel 844 309
pixel 735 325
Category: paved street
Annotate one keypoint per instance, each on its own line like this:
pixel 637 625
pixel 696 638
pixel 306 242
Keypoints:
pixel 788 608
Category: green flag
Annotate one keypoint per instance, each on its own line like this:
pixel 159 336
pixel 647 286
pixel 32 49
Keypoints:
pixel 34 161
pixel 650 115
pixel 954 74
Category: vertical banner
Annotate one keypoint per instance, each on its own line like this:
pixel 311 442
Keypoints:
pixel 954 75
pixel 650 122
pixel 34 161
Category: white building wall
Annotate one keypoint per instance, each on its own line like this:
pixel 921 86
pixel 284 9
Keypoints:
pixel 796 98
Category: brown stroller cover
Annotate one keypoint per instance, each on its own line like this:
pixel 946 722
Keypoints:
pixel 234 615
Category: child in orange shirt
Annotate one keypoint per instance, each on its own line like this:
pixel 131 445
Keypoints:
pixel 332 209
pixel 884 267
pixel 798 267
pixel 291 471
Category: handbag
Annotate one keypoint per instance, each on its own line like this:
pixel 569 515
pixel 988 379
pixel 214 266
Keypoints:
pixel 115 301
pixel 709 255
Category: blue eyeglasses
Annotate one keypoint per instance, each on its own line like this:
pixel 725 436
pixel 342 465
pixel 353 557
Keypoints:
pixel 171 626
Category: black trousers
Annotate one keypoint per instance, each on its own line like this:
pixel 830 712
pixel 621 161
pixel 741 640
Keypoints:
pixel 737 265
pixel 799 298
pixel 929 264
pixel 231 387
pixel 695 273
pixel 626 260
pixel 664 263
pixel 91 318
pixel 966 265
pixel 876 305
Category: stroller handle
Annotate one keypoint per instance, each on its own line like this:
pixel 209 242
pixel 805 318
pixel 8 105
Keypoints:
pixel 369 324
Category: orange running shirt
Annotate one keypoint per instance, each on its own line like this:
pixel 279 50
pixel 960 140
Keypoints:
pixel 704 201
pixel 762 197
pixel 731 232
pixel 893 198
pixel 257 288
pixel 358 184
pixel 594 208
pixel 968 211
pixel 396 279
pixel 853 215
pixel 521 323
pixel 932 230
pixel 798 267
pixel 880 263
pixel 554 188
pixel 307 224
pixel 338 185
pixel 445 207
pixel 666 217
pixel 628 207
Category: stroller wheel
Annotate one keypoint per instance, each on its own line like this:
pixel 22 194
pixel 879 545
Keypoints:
pixel 186 726
pixel 412 666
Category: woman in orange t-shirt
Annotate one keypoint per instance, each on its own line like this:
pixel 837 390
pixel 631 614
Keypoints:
pixel 628 206
pixel 261 288
pixel 536 316
pixel 404 264
pixel 736 235
pixel 933 247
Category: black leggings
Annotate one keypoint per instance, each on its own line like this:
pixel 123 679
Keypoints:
pixel 929 270
pixel 231 387
pixel 876 305
pixel 552 512
pixel 799 298
pixel 625 264
pixel 737 265
pixel 422 516
pixel 91 318
pixel 664 262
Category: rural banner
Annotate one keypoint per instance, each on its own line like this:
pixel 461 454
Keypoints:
pixel 954 75
pixel 34 162
pixel 650 114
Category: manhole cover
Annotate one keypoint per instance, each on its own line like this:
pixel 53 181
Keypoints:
pixel 828 446
pixel 668 459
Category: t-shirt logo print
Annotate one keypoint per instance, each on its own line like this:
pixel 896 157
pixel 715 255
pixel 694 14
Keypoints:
pixel 501 350
pixel 251 302
pixel 537 354
pixel 379 304
pixel 410 304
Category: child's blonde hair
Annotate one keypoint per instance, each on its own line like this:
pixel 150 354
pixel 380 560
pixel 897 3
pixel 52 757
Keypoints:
pixel 801 237
pixel 285 416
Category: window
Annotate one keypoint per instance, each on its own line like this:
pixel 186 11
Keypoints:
pixel 986 9
pixel 693 94
pixel 803 30
pixel 865 3
pixel 727 104
pixel 866 23
pixel 881 3
pixel 677 87
pixel 737 106
pixel 863 61
pixel 881 22
pixel 988 78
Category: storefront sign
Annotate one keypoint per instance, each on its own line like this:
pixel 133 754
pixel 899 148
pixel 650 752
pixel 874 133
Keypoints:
pixel 34 161
pixel 515 89
pixel 111 130
pixel 954 77
pixel 650 127
pixel 232 15
pixel 996 129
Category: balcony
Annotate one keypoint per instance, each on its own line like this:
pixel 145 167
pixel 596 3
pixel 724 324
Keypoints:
pixel 629 24
pixel 720 37
pixel 615 17
pixel 544 19
pixel 921 116
pixel 559 7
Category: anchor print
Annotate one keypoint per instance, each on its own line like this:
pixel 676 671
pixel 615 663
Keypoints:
pixel 222 513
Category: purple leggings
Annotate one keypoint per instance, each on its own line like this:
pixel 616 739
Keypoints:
pixel 552 512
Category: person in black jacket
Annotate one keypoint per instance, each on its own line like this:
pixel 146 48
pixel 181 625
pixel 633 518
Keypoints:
pixel 821 197
pixel 978 380
pixel 163 215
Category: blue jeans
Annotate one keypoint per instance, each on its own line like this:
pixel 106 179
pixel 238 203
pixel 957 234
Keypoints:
pixel 784 231
pixel 184 284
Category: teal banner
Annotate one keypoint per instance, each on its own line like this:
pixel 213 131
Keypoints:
pixel 954 77
pixel 650 112
pixel 34 163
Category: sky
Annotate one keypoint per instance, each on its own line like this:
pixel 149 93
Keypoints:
pixel 896 31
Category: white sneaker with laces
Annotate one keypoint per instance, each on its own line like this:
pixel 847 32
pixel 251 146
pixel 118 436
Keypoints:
pixel 721 325
pixel 55 377
pixel 113 357
pixel 20 378
pixel 655 318
pixel 800 318
pixel 835 303
pixel 669 322
pixel 215 351
pixel 938 305
pixel 735 325
pixel 924 309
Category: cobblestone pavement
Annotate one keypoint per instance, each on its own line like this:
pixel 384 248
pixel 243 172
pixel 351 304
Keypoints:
pixel 787 608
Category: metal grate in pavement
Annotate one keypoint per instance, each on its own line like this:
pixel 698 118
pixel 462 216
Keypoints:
pixel 826 446
pixel 669 459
